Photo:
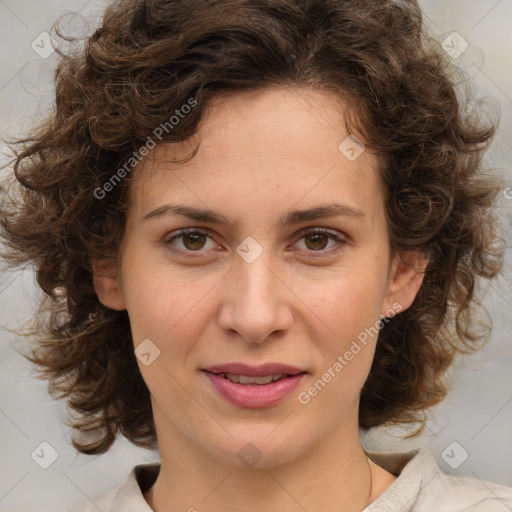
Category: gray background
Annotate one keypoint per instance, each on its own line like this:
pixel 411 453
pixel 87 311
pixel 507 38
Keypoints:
pixel 474 421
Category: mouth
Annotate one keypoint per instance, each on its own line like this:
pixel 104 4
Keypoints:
pixel 247 374
pixel 254 386
pixel 247 380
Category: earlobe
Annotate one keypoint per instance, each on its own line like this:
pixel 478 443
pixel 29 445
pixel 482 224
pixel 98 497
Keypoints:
pixel 406 277
pixel 106 284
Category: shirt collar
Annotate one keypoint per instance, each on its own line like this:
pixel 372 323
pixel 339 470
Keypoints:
pixel 130 494
pixel 414 469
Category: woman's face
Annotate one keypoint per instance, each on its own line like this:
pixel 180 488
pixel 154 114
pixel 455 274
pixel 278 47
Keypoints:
pixel 262 287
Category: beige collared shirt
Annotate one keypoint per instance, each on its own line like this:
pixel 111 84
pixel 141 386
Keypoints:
pixel 420 487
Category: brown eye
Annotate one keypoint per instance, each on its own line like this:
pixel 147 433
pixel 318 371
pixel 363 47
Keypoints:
pixel 318 241
pixel 192 240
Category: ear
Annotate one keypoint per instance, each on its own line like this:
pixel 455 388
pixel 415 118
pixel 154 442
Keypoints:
pixel 405 278
pixel 106 284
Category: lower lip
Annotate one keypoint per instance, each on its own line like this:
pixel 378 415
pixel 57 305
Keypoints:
pixel 255 396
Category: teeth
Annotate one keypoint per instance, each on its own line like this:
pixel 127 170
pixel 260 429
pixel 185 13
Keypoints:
pixel 245 379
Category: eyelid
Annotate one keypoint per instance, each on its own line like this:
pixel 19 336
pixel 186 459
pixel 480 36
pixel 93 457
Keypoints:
pixel 318 229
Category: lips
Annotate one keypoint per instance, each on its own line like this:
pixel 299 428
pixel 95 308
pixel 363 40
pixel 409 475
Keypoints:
pixel 254 387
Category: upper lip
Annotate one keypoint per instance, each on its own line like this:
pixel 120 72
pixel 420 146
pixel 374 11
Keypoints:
pixel 254 371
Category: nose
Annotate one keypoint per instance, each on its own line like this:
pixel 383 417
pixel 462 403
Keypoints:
pixel 257 302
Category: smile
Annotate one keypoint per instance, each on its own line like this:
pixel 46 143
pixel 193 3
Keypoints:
pixel 254 392
pixel 246 379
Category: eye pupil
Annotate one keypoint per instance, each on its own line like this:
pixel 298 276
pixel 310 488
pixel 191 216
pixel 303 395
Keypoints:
pixel 195 243
pixel 315 237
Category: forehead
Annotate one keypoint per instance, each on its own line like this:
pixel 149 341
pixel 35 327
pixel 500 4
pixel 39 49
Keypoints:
pixel 272 147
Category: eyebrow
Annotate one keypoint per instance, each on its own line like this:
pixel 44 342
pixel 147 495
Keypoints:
pixel 288 219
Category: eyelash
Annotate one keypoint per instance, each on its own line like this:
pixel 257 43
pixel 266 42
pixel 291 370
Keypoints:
pixel 313 231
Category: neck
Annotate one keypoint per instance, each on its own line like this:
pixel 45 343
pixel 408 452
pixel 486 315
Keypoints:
pixel 334 475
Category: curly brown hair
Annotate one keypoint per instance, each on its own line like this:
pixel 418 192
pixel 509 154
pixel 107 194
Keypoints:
pixel 150 57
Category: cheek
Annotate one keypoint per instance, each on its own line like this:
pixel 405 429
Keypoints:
pixel 348 307
pixel 349 301
pixel 351 310
pixel 160 299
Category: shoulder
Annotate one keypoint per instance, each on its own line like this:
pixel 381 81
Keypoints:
pixel 421 486
pixel 466 494
pixel 128 496
pixel 103 502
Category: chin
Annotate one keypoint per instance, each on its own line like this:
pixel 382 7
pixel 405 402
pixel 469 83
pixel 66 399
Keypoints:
pixel 253 450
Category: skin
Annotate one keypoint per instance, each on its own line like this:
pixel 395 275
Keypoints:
pixel 302 302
